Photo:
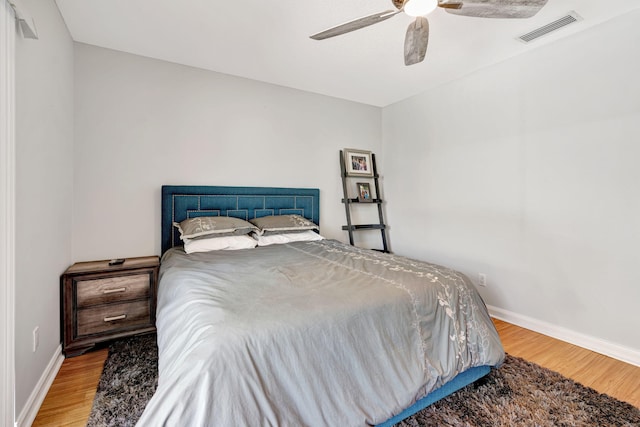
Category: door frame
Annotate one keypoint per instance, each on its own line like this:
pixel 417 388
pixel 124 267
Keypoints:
pixel 7 213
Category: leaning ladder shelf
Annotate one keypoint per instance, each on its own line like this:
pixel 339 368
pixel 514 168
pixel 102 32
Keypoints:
pixel 377 201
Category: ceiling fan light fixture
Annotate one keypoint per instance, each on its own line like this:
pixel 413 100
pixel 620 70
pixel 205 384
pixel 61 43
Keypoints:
pixel 420 7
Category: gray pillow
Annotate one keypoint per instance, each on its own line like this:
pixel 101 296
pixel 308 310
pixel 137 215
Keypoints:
pixel 278 224
pixel 213 226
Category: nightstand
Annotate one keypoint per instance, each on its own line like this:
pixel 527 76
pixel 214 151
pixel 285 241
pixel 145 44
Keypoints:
pixel 100 302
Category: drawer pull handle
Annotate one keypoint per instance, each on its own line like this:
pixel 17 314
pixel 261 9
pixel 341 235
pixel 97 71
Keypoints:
pixel 111 319
pixel 111 291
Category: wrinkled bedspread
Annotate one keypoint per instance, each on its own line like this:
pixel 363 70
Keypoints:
pixel 309 334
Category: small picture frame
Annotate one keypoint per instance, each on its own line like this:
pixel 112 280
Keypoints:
pixel 364 192
pixel 358 162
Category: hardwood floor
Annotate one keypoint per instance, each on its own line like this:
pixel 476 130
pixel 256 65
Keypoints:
pixel 69 400
pixel 605 374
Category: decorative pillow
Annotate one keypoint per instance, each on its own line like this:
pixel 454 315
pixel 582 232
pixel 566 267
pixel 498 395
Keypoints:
pixel 219 225
pixel 227 243
pixel 278 239
pixel 278 224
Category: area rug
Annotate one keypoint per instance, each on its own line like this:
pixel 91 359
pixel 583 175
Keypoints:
pixel 129 379
pixel 519 393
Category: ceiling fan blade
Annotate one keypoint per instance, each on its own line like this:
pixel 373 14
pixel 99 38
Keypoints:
pixel 500 8
pixel 356 24
pixel 416 41
pixel 450 4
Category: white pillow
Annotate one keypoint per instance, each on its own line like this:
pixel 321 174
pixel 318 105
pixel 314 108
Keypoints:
pixel 277 239
pixel 227 243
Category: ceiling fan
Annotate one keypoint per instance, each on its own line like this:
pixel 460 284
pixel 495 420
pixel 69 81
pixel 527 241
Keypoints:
pixel 417 37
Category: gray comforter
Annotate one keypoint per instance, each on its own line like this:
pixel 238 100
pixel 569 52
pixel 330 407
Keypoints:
pixel 309 334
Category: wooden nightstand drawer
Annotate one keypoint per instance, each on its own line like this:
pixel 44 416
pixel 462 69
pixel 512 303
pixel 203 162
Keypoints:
pixel 100 302
pixel 109 289
pixel 113 317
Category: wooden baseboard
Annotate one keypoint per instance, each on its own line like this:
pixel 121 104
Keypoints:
pixel 619 352
pixel 31 408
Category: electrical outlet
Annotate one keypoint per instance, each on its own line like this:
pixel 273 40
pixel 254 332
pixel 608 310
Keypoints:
pixel 36 338
pixel 482 280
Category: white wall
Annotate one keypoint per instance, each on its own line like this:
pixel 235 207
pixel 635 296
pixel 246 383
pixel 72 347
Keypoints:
pixel 528 171
pixel 141 123
pixel 44 183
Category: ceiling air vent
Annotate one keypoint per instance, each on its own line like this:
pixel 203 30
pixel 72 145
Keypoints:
pixel 570 18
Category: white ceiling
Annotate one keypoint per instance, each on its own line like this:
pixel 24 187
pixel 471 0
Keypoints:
pixel 268 40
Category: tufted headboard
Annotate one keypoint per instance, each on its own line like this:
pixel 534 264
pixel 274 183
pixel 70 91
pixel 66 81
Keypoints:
pixel 180 202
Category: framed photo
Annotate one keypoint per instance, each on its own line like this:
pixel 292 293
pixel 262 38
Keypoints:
pixel 358 162
pixel 364 192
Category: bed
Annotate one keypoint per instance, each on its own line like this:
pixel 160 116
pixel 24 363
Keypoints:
pixel 305 333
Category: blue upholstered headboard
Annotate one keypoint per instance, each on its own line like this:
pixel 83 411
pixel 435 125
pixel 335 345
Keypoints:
pixel 180 202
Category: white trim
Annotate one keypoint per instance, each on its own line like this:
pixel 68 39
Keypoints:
pixel 617 351
pixel 31 408
pixel 7 214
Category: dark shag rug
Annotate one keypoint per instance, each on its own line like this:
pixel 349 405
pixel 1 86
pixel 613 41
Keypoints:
pixel 519 393
pixel 129 379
